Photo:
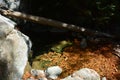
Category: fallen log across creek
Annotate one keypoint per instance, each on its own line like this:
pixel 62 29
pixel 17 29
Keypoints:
pixel 56 24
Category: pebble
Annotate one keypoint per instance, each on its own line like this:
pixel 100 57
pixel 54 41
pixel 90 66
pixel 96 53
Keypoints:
pixel 34 72
pixel 53 72
pixel 104 78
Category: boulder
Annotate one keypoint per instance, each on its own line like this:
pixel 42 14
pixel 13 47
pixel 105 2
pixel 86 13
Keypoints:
pixel 84 74
pixel 14 49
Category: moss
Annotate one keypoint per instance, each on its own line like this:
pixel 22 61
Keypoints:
pixel 60 46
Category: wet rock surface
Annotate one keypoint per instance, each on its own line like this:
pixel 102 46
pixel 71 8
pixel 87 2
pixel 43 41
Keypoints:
pixel 99 58
pixel 14 48
pixel 84 74
pixel 52 73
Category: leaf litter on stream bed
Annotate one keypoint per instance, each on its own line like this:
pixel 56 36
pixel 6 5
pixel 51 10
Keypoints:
pixel 73 58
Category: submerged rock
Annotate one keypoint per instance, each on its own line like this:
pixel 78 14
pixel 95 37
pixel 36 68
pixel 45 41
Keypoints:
pixel 117 50
pixel 84 74
pixel 39 73
pixel 53 72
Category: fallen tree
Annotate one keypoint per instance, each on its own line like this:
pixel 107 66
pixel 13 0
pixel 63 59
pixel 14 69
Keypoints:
pixel 56 24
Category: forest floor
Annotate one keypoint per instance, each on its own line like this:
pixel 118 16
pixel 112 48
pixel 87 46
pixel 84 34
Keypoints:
pixel 101 58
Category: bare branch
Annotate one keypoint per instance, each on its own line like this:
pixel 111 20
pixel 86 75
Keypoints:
pixel 54 23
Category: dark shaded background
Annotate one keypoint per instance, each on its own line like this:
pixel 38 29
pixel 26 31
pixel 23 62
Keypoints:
pixel 101 15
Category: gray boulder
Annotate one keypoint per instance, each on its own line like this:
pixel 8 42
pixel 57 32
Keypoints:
pixel 14 49
pixel 10 4
pixel 84 74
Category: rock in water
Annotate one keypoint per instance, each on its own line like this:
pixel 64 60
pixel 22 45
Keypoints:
pixel 117 50
pixel 53 72
pixel 14 47
pixel 10 4
pixel 40 74
pixel 84 74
